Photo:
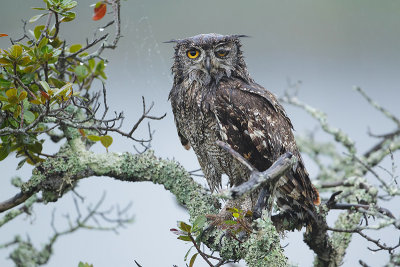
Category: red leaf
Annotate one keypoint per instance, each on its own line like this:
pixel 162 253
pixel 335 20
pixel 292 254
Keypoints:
pixel 3 34
pixel 99 10
pixel 46 95
pixel 82 132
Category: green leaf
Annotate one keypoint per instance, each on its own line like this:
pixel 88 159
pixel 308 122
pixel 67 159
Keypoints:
pixel 45 86
pixel 5 61
pixel 29 117
pixel 93 138
pixel 230 222
pixel 106 140
pixel 92 63
pixel 16 51
pixel 193 259
pixel 27 78
pixel 81 264
pixel 56 82
pixel 24 61
pixel 35 18
pixel 4 151
pixel 4 83
pixel 235 214
pixel 67 5
pixel 184 227
pixel 184 238
pixel 199 222
pixel 11 92
pixel 46 49
pixel 75 48
pixel 187 253
pixel 81 71
pixel 21 163
pixel 38 31
pixel 22 95
pixel 42 43
pixel 68 16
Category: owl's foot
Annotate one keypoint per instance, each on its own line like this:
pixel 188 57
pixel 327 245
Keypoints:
pixel 261 203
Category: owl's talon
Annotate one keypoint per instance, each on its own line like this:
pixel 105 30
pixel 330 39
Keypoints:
pixel 261 202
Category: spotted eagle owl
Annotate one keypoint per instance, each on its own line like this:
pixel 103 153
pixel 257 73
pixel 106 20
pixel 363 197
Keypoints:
pixel 214 98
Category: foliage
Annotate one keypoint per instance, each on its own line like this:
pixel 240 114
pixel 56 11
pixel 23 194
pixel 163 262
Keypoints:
pixel 40 77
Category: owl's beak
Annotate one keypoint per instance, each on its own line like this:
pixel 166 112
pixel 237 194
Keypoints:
pixel 207 64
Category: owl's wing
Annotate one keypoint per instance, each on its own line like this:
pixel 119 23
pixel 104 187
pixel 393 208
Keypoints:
pixel 173 97
pixel 254 124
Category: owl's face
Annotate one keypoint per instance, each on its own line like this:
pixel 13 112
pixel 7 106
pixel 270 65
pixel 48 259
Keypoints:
pixel 207 57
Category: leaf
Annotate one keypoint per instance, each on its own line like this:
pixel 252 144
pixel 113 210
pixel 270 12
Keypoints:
pixel 81 264
pixel 45 86
pixel 4 61
pixel 24 61
pixel 92 63
pixel 4 83
pixel 36 147
pixel 184 238
pixel 63 89
pixel 67 5
pixel 4 151
pixel 75 48
pixel 106 140
pixel 176 231
pixel 35 101
pixel 3 34
pixel 230 222
pixel 45 95
pixel 68 16
pixel 199 222
pixel 187 253
pixel 82 132
pixel 235 214
pixel 22 95
pixel 99 10
pixel 42 43
pixel 81 71
pixel 35 18
pixel 21 163
pixel 11 92
pixel 93 138
pixel 38 31
pixel 29 117
pixel 193 259
pixel 16 51
pixel 184 227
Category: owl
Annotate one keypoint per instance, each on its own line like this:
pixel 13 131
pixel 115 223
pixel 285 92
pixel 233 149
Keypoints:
pixel 213 99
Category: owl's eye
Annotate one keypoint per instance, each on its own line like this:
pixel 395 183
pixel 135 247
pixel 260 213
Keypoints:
pixel 193 53
pixel 221 53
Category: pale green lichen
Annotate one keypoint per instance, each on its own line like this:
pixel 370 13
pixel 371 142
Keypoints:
pixel 14 213
pixel 263 247
pixel 25 255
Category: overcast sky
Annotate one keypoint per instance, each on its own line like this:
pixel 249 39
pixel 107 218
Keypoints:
pixel 330 46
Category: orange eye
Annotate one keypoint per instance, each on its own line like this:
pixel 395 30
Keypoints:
pixel 222 53
pixel 194 53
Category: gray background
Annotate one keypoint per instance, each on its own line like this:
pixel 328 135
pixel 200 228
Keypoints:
pixel 329 45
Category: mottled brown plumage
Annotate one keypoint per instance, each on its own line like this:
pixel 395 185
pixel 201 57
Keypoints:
pixel 213 98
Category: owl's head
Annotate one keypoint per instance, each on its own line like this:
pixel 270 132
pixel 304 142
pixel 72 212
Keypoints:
pixel 206 58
